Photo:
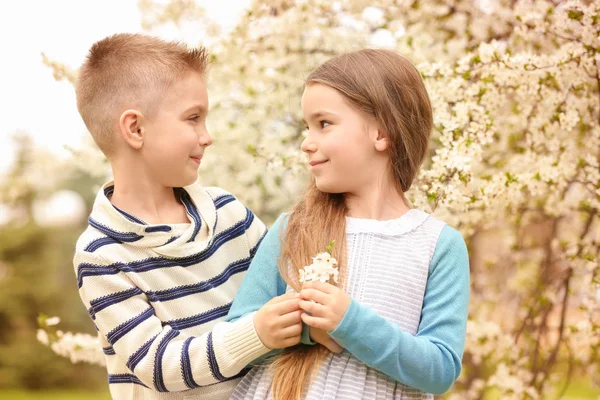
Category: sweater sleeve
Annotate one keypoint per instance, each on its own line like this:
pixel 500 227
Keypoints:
pixel 162 357
pixel 430 361
pixel 262 281
pixel 255 232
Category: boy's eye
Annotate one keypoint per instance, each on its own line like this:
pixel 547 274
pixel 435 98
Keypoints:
pixel 194 118
pixel 324 124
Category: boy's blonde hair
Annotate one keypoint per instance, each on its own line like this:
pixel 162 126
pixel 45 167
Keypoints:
pixel 130 71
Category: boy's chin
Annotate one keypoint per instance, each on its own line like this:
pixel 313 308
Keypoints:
pixel 184 181
pixel 190 181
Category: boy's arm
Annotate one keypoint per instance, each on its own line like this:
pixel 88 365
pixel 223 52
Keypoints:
pixel 164 358
pixel 431 360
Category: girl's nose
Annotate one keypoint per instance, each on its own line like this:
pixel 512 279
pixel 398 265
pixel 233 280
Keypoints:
pixel 308 145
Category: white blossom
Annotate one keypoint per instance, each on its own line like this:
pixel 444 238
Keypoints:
pixel 42 337
pixel 323 268
pixel 52 321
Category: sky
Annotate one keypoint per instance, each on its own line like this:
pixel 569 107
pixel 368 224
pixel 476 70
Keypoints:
pixel 31 99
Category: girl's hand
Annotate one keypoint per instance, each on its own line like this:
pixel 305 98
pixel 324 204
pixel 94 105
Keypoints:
pixel 323 338
pixel 326 304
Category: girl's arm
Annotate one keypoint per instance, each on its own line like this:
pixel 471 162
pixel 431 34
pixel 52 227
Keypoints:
pixel 263 281
pixel 431 360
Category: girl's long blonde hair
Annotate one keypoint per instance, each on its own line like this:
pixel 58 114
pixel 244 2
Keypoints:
pixel 387 86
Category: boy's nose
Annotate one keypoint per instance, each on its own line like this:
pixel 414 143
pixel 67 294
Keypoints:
pixel 205 139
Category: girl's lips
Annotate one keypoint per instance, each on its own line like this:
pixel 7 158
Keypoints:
pixel 314 164
pixel 196 159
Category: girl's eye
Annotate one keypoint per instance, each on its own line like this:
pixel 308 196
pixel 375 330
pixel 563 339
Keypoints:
pixel 194 118
pixel 324 124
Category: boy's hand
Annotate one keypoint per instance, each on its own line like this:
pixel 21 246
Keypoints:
pixel 278 323
pixel 325 303
pixel 321 337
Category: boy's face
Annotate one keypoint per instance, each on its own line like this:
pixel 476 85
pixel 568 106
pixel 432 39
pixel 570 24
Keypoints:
pixel 176 137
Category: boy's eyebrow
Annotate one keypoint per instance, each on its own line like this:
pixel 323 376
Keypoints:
pixel 200 107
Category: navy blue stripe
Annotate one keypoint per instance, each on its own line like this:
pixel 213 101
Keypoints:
pixel 241 374
pixel 109 351
pixel 125 378
pixel 100 304
pixel 128 237
pixel 136 357
pixel 158 228
pixel 159 262
pixel 255 248
pixel 193 212
pixel 87 269
pixel 249 219
pixel 159 383
pixel 223 200
pixel 108 191
pixel 186 365
pixel 129 216
pixel 181 291
pixel 212 359
pixel 199 319
pixel 123 329
pixel 174 238
pixel 96 244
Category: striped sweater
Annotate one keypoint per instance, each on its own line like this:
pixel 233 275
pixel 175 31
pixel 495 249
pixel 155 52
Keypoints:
pixel 158 295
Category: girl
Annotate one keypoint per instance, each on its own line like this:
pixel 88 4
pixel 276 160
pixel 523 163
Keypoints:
pixel 400 310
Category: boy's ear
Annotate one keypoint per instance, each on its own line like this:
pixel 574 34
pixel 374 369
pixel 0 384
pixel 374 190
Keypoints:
pixel 130 125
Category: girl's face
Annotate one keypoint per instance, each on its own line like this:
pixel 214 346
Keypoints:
pixel 345 149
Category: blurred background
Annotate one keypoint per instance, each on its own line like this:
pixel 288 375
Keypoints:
pixel 44 194
pixel 514 165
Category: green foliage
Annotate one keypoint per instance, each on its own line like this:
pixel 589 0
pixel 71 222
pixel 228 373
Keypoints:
pixel 36 274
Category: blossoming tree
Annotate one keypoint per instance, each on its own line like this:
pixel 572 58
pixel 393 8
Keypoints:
pixel 515 156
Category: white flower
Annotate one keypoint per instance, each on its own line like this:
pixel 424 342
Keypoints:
pixel 382 38
pixel 42 337
pixel 52 321
pixel 373 16
pixel 323 268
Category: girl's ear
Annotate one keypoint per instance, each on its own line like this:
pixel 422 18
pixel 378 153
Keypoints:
pixel 380 140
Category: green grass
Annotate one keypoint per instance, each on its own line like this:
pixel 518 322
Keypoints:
pixel 581 390
pixel 578 389
pixel 53 395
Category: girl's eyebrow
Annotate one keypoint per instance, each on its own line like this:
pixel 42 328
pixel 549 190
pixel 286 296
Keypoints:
pixel 317 115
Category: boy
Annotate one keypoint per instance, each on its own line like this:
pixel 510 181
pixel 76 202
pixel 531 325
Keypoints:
pixel 162 257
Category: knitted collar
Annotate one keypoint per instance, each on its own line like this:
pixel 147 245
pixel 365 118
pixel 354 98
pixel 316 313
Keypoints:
pixel 408 222
pixel 167 239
